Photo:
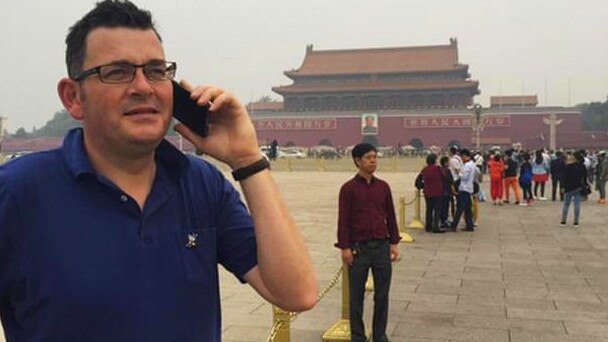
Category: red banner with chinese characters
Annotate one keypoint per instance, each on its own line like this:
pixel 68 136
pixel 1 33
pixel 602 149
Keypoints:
pixel 319 124
pixel 454 121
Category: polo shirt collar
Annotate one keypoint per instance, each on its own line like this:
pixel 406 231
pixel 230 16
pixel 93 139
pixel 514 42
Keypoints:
pixel 78 162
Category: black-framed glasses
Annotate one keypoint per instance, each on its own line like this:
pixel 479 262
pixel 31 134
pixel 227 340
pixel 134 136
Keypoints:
pixel 124 72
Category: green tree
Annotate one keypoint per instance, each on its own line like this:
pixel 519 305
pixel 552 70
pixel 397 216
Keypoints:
pixel 266 98
pixel 20 133
pixel 595 115
pixel 58 126
pixel 417 143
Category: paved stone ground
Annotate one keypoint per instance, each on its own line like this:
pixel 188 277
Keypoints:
pixel 521 277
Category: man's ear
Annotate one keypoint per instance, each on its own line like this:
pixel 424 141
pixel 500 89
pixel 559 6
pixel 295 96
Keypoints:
pixel 357 161
pixel 69 93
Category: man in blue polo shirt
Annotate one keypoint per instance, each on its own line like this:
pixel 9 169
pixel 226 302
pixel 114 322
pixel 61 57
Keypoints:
pixel 116 235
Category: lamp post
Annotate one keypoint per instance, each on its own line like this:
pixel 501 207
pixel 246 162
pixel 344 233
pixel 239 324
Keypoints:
pixel 477 125
pixel 2 118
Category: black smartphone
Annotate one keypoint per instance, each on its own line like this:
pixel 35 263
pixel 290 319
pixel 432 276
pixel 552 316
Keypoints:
pixel 188 112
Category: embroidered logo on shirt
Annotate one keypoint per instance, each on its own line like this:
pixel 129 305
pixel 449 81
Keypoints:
pixel 191 242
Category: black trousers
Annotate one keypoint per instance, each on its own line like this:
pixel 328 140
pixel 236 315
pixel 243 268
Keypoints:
pixel 556 182
pixel 542 189
pixel 374 254
pixel 452 205
pixel 445 204
pixel 464 205
pixel 433 213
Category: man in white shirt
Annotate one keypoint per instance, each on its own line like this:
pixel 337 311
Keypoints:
pixel 455 162
pixel 454 166
pixel 465 190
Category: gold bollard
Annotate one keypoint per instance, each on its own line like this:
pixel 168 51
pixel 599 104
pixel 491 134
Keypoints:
pixel 405 237
pixel 282 318
pixel 321 164
pixel 393 164
pixel 417 222
pixel 289 167
pixel 340 331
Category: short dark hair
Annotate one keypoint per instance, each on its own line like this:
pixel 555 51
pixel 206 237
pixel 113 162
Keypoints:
pixel 444 160
pixel 431 159
pixel 580 155
pixel 465 152
pixel 107 13
pixel 453 149
pixel 360 149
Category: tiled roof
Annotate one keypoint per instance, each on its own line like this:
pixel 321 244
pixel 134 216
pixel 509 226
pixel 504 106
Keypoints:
pixel 524 100
pixel 272 106
pixel 30 144
pixel 377 86
pixel 380 60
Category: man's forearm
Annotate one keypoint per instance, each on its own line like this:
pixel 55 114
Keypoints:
pixel 283 260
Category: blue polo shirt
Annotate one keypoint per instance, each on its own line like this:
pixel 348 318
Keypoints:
pixel 80 261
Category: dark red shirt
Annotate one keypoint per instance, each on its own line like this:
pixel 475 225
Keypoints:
pixel 366 212
pixel 433 180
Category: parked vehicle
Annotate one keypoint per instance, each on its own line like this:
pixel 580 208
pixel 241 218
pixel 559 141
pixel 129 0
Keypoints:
pixel 291 153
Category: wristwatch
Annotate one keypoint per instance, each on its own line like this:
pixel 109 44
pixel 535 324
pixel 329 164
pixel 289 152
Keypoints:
pixel 251 169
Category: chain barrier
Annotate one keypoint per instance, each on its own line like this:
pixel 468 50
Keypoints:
pixel 410 202
pixel 293 315
pixel 274 331
pixel 276 327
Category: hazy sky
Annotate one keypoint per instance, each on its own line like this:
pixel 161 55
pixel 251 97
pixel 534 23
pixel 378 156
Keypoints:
pixel 556 49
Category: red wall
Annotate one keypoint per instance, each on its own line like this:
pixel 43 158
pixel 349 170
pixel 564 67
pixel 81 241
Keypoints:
pixel 523 125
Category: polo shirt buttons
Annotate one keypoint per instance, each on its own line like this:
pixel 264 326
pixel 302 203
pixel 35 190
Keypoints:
pixel 124 198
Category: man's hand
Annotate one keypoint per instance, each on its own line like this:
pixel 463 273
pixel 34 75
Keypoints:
pixel 395 252
pixel 232 138
pixel 347 256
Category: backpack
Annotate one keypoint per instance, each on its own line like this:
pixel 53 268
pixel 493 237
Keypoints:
pixel 419 182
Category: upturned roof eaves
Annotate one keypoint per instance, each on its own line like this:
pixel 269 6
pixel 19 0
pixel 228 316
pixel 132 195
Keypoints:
pixel 374 60
pixel 373 87
pixel 294 74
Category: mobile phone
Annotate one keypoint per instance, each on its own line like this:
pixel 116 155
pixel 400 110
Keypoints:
pixel 188 112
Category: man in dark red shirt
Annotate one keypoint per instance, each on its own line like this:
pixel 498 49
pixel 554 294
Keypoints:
pixel 369 238
pixel 433 193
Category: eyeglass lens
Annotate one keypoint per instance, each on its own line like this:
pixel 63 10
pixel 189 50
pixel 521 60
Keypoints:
pixel 125 72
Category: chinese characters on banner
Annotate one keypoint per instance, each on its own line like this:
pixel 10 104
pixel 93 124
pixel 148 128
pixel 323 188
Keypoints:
pixel 319 124
pixel 454 121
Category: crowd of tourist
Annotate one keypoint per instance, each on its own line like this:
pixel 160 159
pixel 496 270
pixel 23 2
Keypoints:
pixel 451 188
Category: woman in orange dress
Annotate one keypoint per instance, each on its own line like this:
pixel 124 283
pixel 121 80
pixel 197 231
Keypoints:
pixel 496 167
